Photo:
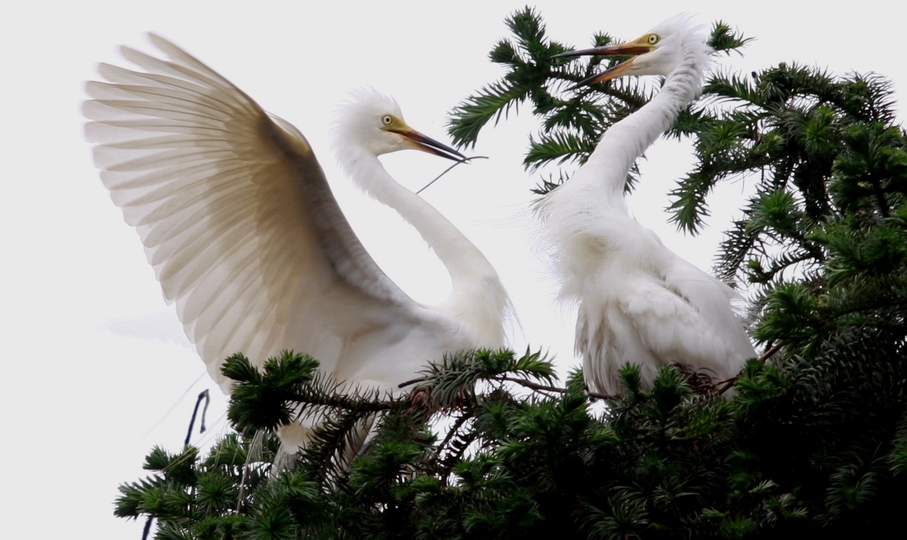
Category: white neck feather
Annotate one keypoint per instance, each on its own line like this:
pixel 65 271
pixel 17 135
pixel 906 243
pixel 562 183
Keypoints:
pixel 628 139
pixel 477 296
pixel 585 220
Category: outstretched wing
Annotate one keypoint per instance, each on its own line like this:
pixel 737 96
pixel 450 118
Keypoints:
pixel 235 214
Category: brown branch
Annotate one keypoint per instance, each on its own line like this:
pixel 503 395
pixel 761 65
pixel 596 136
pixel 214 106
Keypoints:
pixel 770 352
pixel 728 383
pixel 543 387
pixel 596 395
pixel 412 381
pixel 532 385
pixel 523 382
pixel 341 401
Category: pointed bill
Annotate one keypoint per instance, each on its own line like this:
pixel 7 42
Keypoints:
pixel 632 48
pixel 427 144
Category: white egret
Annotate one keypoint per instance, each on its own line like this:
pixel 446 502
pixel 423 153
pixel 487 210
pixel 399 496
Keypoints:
pixel 638 301
pixel 246 237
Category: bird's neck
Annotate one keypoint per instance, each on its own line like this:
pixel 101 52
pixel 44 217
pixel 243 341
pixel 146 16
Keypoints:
pixel 477 295
pixel 628 139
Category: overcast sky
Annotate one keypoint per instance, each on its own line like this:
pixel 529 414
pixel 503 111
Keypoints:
pixel 97 369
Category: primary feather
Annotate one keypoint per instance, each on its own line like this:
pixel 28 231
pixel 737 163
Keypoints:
pixel 247 240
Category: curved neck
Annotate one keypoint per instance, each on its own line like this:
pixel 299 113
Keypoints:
pixel 477 296
pixel 628 139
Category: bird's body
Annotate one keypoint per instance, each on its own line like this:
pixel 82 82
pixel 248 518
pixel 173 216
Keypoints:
pixel 245 235
pixel 638 301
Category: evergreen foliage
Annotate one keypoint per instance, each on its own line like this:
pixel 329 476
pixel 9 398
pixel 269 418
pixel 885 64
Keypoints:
pixel 490 444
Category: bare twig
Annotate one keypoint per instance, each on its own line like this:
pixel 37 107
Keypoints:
pixel 447 170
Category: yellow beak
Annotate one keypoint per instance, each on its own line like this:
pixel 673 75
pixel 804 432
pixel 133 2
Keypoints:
pixel 631 48
pixel 427 144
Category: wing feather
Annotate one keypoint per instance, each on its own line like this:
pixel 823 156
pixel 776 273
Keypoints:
pixel 234 211
pixel 680 314
pixel 685 316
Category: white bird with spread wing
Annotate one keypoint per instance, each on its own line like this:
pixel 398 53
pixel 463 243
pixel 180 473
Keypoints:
pixel 245 235
pixel 638 301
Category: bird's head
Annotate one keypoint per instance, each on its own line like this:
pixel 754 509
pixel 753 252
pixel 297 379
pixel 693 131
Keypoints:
pixel 657 52
pixel 374 122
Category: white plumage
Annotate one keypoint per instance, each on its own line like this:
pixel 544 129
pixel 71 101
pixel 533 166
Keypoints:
pixel 638 301
pixel 247 239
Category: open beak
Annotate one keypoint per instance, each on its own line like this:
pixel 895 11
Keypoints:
pixel 632 48
pixel 427 144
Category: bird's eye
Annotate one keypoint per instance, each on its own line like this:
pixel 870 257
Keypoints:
pixel 387 119
pixel 653 39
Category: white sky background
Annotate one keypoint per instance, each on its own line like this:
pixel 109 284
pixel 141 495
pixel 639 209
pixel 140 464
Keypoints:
pixel 97 369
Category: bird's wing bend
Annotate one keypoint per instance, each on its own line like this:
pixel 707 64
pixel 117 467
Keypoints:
pixel 234 211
